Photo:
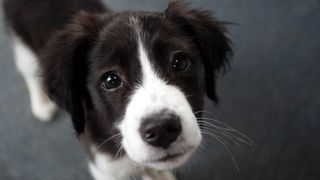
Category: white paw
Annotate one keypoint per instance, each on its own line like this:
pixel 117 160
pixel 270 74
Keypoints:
pixel 44 111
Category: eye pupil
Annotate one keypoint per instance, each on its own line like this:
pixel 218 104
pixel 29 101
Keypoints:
pixel 179 62
pixel 111 81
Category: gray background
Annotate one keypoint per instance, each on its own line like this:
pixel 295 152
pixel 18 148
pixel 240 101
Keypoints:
pixel 271 94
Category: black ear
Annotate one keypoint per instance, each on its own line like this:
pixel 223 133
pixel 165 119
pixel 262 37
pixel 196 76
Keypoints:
pixel 65 64
pixel 208 34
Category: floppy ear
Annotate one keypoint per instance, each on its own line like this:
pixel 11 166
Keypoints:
pixel 64 63
pixel 208 34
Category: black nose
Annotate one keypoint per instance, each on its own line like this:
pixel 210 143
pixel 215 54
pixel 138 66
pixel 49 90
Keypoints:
pixel 161 130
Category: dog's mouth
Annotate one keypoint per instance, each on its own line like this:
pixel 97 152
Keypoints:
pixel 168 158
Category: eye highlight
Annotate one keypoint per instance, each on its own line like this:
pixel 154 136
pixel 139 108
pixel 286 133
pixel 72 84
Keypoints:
pixel 110 81
pixel 180 61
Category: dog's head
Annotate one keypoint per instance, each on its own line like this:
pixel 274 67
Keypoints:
pixel 138 76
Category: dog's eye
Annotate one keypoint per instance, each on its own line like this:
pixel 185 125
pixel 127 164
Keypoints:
pixel 111 81
pixel 180 61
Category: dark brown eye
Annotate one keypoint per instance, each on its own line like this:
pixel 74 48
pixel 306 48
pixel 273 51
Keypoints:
pixel 179 62
pixel 110 81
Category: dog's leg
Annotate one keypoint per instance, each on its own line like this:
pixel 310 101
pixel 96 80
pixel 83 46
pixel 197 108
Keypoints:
pixel 26 61
pixel 158 175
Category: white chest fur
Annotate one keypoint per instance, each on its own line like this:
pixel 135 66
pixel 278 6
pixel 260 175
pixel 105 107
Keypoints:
pixel 105 167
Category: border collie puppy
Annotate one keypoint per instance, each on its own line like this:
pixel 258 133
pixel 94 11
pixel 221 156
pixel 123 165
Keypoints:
pixel 133 82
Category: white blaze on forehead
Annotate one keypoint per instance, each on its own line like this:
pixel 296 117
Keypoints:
pixel 150 79
pixel 149 74
pixel 147 71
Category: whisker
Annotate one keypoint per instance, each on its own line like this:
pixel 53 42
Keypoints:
pixel 210 134
pixel 105 141
pixel 244 138
pixel 204 146
pixel 222 141
pixel 220 130
pixel 230 153
pixel 215 116
pixel 227 127
pixel 231 138
pixel 119 151
pixel 219 122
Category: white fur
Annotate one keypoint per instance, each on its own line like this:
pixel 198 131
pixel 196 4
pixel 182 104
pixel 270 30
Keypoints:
pixel 104 167
pixel 153 96
pixel 26 61
pixel 158 175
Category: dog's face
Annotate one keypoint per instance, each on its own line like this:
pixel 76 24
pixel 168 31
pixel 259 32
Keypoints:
pixel 150 80
pixel 139 76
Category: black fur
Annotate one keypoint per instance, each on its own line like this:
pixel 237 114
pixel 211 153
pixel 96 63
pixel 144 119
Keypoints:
pixel 209 35
pixel 37 20
pixel 65 66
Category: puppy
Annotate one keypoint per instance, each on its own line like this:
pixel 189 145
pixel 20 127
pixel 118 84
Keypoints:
pixel 133 82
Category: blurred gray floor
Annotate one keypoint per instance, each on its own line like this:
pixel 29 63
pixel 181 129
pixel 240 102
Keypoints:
pixel 272 94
